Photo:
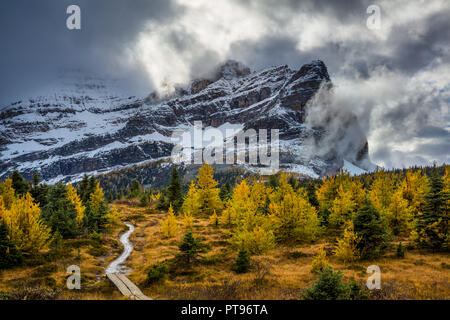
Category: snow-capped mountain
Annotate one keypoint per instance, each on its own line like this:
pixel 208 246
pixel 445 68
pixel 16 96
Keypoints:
pixel 87 126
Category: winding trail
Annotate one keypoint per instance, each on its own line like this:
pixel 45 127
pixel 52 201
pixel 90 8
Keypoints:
pixel 116 272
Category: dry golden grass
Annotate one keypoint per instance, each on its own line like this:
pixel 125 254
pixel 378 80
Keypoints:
pixel 420 275
pixel 279 274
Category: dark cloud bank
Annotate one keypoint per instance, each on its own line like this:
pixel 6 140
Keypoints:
pixel 395 79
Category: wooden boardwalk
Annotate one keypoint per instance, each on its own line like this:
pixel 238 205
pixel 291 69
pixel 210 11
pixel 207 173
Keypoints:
pixel 126 287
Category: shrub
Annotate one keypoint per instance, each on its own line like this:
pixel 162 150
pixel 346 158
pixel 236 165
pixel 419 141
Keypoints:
pixel 97 251
pixel 330 286
pixel 190 248
pixel 242 262
pixel 401 251
pixel 44 270
pixel 157 272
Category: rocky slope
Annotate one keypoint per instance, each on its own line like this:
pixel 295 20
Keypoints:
pixel 85 126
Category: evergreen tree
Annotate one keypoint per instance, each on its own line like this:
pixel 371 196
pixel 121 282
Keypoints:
pixel 96 216
pixel 330 286
pixel 174 191
pixel 135 189
pixel 10 256
pixel 83 189
pixel 36 180
pixel 242 262
pixel 432 222
pixel 226 191
pixel 190 248
pixel 312 196
pixel 60 213
pixel 368 226
pixel 19 184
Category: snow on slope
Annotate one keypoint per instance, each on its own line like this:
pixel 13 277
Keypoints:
pixel 352 169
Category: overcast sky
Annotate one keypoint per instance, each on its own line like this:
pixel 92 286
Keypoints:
pixel 396 78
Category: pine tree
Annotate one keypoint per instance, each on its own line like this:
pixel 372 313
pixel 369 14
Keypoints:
pixel 226 191
pixel 190 248
pixel 369 228
pixel 242 262
pixel 135 189
pixel 60 213
pixel 174 191
pixel 10 256
pixel 36 179
pixel 432 222
pixel 330 286
pixel 169 227
pixel 19 184
pixel 83 189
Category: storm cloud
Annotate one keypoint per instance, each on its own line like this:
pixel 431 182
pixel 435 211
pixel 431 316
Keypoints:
pixel 395 79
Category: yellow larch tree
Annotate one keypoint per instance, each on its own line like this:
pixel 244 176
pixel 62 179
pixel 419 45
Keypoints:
pixel 75 200
pixel 26 228
pixel 400 216
pixel 415 186
pixel 320 261
pixel 209 199
pixel 169 227
pixel 342 208
pixel 294 218
pixel 96 198
pixel 346 249
pixel 191 204
pixel 7 192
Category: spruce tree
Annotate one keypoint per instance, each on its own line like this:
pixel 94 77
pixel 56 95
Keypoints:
pixel 83 189
pixel 432 221
pixel 174 191
pixel 59 213
pixel 226 191
pixel 242 262
pixel 135 189
pixel 369 228
pixel 190 248
pixel 36 180
pixel 19 184
pixel 10 256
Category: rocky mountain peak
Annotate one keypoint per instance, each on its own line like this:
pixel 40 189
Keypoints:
pixel 92 129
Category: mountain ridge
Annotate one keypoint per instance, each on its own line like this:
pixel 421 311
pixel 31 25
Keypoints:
pixel 86 128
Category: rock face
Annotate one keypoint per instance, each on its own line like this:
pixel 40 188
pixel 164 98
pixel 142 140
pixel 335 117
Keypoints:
pixel 86 127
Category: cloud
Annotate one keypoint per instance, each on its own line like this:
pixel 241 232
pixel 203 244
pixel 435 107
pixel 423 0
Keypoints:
pixel 396 79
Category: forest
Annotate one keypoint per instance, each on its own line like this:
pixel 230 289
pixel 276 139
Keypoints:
pixel 250 237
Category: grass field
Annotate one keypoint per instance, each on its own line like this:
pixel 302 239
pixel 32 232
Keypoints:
pixel 283 273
